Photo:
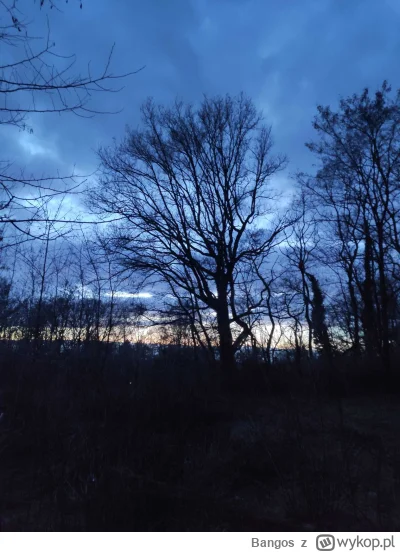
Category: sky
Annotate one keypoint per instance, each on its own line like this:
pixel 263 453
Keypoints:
pixel 288 56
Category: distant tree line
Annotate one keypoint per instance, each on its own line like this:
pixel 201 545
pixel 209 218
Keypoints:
pixel 199 212
pixel 199 221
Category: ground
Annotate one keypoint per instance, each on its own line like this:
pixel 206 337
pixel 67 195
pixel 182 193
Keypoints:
pixel 117 446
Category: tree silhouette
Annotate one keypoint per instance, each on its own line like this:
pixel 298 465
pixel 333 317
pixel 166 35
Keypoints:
pixel 356 192
pixel 192 191
pixel 35 78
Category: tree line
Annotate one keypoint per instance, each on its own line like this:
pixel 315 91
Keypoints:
pixel 192 211
pixel 198 212
pixel 199 221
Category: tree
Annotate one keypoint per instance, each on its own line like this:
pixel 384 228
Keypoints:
pixel 197 213
pixel 357 194
pixel 319 327
pixel 34 78
pixel 301 244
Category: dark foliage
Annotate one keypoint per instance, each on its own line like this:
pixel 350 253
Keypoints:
pixel 145 442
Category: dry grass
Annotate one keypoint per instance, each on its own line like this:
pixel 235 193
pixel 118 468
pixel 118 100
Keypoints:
pixel 156 446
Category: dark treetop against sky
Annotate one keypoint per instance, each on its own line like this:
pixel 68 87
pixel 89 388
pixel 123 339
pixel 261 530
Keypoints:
pixel 288 55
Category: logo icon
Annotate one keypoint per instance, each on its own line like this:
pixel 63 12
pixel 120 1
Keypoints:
pixel 325 543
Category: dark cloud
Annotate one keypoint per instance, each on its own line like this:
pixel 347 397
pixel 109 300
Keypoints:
pixel 289 56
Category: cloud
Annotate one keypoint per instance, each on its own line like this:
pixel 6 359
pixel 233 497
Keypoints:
pixel 35 147
pixel 288 56
pixel 127 295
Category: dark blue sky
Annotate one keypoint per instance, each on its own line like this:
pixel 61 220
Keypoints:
pixel 288 55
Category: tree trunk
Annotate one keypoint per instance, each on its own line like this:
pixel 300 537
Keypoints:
pixel 384 303
pixel 307 304
pixel 356 314
pixel 368 316
pixel 226 350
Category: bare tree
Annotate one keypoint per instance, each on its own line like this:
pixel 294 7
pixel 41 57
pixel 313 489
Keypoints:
pixel 357 195
pixel 197 212
pixel 300 245
pixel 34 78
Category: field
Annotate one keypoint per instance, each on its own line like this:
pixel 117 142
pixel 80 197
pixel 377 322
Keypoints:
pixel 128 441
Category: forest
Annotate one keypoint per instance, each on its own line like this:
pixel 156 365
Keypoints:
pixel 203 349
